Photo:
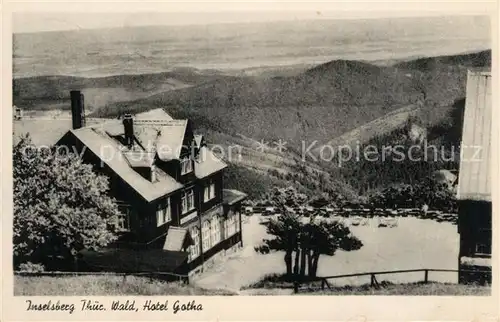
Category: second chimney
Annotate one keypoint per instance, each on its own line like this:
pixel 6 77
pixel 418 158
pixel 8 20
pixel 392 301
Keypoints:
pixel 128 125
pixel 77 109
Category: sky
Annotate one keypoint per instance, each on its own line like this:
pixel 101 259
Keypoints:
pixel 51 21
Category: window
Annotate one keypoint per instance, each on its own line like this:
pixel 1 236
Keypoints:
pixel 187 201
pixel 483 249
pixel 231 225
pixel 209 191
pixel 194 250
pixel 226 228
pixel 186 166
pixel 163 213
pixel 483 244
pixel 123 219
pixel 205 234
pixel 215 230
pixel 237 221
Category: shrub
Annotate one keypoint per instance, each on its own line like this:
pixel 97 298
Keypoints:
pixel 31 267
pixel 60 206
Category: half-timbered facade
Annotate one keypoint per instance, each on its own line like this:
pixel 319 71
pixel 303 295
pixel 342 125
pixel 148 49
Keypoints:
pixel 168 183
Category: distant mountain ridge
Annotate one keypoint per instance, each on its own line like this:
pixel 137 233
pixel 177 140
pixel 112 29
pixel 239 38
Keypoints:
pixel 49 92
pixel 320 104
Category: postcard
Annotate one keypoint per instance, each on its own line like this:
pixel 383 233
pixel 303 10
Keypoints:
pixel 325 161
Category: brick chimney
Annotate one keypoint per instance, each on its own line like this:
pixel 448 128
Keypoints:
pixel 128 125
pixel 77 109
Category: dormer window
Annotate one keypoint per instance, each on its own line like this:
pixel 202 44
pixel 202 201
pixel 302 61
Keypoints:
pixel 186 166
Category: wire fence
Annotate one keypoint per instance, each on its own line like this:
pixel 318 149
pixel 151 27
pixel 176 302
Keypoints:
pixel 299 284
pixel 324 284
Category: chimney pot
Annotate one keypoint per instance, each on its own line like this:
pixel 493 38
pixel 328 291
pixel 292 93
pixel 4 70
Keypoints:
pixel 128 126
pixel 77 109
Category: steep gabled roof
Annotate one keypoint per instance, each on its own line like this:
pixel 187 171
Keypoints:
pixel 474 182
pixel 109 152
pixel 154 139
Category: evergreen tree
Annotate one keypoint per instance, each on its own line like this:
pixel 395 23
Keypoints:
pixel 306 238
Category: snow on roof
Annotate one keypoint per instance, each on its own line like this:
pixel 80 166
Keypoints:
pixel 474 181
pixel 110 152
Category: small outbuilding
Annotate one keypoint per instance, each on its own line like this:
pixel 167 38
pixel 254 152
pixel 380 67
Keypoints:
pixel 474 181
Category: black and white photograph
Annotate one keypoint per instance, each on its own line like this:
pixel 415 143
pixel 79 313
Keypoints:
pixel 251 153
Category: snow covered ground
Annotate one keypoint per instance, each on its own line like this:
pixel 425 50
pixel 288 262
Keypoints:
pixel 413 243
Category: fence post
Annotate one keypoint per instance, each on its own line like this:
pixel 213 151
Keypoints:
pixel 372 280
pixel 426 276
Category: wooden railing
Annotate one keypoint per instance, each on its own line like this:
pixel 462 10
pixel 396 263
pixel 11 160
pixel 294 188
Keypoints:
pixel 373 276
